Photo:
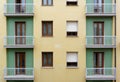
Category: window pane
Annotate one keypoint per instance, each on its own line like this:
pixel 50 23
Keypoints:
pixel 23 29
pixel 95 1
pixel 49 29
pixel 18 29
pixel 95 29
pixel 44 2
pixel 45 60
pixel 44 29
pixel 49 59
pixel 49 2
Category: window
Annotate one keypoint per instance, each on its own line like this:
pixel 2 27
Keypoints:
pixel 72 59
pixel 71 2
pixel 20 6
pixel 98 32
pixel 98 62
pixel 47 2
pixel 47 28
pixel 20 32
pixel 98 6
pixel 47 59
pixel 72 28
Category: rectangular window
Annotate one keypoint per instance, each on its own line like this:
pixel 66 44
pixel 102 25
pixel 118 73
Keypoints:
pixel 98 32
pixel 47 59
pixel 20 62
pixel 98 6
pixel 71 2
pixel 72 59
pixel 20 32
pixel 98 62
pixel 47 2
pixel 20 6
pixel 72 27
pixel 47 28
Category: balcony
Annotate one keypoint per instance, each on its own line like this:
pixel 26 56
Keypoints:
pixel 19 42
pixel 100 9
pixel 101 73
pixel 100 42
pixel 15 9
pixel 19 74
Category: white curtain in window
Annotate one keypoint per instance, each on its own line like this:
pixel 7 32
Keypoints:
pixel 72 57
pixel 72 0
pixel 72 26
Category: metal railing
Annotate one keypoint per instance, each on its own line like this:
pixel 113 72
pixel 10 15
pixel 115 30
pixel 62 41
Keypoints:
pixel 18 40
pixel 19 8
pixel 18 71
pixel 101 72
pixel 94 8
pixel 101 40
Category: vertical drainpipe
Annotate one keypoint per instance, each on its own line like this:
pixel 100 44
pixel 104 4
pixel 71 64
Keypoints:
pixel 115 35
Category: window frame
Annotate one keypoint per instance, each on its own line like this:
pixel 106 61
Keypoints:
pixel 47 53
pixel 47 23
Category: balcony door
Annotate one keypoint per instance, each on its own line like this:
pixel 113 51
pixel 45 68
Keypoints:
pixel 98 32
pixel 20 63
pixel 20 32
pixel 98 6
pixel 98 62
pixel 20 6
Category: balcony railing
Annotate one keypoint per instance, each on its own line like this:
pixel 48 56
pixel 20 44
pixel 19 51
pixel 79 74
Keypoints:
pixel 19 74
pixel 19 42
pixel 100 42
pixel 15 9
pixel 100 9
pixel 101 73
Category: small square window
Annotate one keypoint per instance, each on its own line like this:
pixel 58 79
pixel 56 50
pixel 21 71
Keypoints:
pixel 72 28
pixel 72 59
pixel 47 28
pixel 47 2
pixel 47 59
pixel 71 2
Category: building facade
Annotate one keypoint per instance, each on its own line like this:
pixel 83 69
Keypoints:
pixel 59 40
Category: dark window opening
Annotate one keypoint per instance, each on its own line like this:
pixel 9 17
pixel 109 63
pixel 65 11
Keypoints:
pixel 71 3
pixel 71 33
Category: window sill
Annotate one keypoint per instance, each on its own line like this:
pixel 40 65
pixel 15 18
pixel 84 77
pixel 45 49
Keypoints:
pixel 47 67
pixel 72 67
pixel 72 5
pixel 72 36
pixel 47 5
pixel 47 36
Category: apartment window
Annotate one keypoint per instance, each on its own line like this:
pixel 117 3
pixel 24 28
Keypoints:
pixel 47 2
pixel 47 59
pixel 98 62
pixel 47 28
pixel 98 6
pixel 71 2
pixel 72 27
pixel 72 59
